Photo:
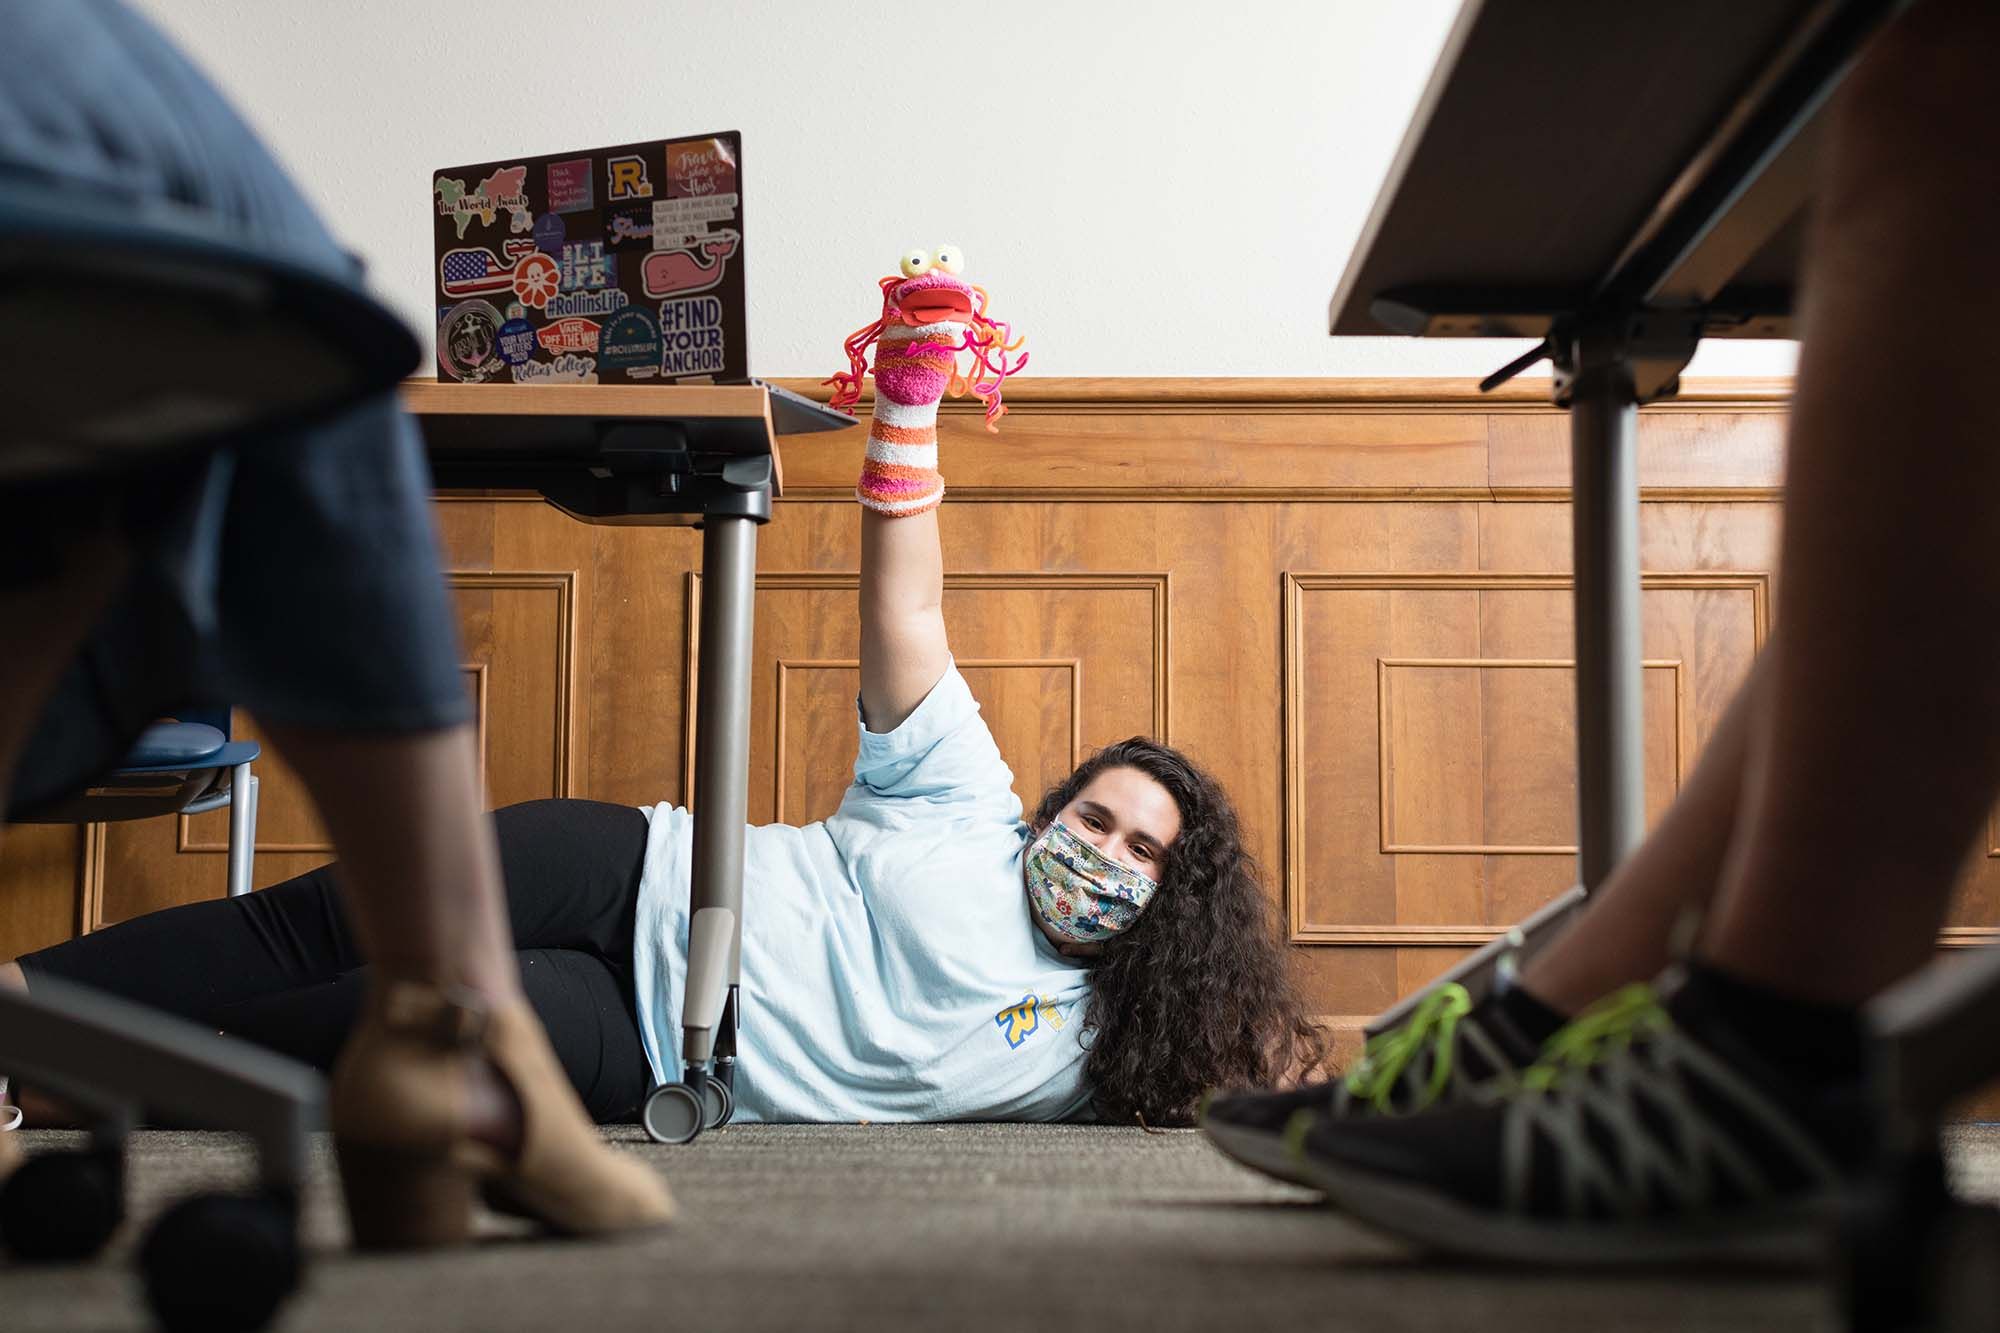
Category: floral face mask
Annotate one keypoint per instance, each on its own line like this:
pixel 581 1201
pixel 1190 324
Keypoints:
pixel 1078 892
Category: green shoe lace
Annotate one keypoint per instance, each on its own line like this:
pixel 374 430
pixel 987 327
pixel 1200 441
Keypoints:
pixel 1388 1054
pixel 1607 1027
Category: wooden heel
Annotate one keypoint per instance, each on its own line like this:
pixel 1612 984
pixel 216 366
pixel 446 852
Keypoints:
pixel 399 1100
pixel 404 1200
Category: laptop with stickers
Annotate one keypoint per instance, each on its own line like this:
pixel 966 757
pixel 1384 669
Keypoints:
pixel 619 265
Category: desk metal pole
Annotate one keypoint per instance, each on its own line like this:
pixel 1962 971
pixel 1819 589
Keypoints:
pixel 1604 505
pixel 722 737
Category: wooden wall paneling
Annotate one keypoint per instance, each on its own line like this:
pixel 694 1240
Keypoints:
pixel 1273 574
pixel 148 864
pixel 523 670
pixel 1975 912
pixel 287 824
pixel 1035 707
pixel 517 631
pixel 41 870
pixel 1149 453
pixel 542 543
pixel 1430 786
pixel 1058 660
pixel 635 689
pixel 1685 453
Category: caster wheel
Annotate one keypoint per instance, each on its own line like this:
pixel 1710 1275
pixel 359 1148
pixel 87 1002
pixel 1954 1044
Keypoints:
pixel 718 1103
pixel 62 1206
pixel 221 1262
pixel 674 1114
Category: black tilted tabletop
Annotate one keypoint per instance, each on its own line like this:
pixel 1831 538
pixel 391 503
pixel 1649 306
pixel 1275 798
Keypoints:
pixel 1569 154
pixel 607 453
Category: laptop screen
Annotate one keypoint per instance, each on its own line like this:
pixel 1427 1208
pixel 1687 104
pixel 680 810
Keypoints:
pixel 619 265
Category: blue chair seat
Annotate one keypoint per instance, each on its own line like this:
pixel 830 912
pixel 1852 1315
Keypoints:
pixel 175 744
pixel 169 746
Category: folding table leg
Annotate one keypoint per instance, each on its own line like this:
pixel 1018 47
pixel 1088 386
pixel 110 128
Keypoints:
pixel 722 779
pixel 1604 525
pixel 1604 370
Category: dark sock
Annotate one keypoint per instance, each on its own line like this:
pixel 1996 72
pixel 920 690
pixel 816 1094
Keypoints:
pixel 1532 1020
pixel 1813 1046
pixel 1518 1024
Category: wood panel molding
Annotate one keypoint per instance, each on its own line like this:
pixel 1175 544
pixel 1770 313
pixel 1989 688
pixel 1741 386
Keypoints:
pixel 1223 485
pixel 1471 937
pixel 1272 495
pixel 185 843
pixel 90 879
pixel 786 667
pixel 1156 585
pixel 1294 814
pixel 1384 748
pixel 562 584
pixel 1280 441
pixel 1248 394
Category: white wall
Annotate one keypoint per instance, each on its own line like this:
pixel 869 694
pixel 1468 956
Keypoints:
pixel 1165 188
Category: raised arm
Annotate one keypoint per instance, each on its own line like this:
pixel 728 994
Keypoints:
pixel 928 318
pixel 903 650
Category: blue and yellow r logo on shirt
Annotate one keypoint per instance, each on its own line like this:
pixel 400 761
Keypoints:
pixel 1019 1021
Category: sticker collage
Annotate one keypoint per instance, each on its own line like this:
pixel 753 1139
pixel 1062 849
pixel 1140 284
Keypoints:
pixel 618 265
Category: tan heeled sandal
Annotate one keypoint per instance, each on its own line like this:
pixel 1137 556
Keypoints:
pixel 410 1167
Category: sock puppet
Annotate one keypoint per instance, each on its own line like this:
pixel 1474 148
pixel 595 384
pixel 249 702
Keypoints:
pixel 929 316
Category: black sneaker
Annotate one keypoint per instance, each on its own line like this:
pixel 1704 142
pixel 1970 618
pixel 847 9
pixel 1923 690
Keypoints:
pixel 1447 1047
pixel 1633 1140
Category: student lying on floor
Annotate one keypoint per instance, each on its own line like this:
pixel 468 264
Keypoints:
pixel 923 954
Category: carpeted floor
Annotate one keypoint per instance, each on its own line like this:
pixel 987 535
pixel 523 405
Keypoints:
pixel 985 1227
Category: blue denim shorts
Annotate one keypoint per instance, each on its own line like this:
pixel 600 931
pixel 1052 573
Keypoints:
pixel 297 575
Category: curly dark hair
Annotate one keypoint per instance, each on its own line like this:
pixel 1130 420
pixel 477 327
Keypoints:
pixel 1199 995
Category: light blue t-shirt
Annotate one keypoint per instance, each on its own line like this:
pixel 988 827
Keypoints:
pixel 890 968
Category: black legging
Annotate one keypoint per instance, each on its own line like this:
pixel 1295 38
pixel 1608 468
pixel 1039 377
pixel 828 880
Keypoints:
pixel 279 966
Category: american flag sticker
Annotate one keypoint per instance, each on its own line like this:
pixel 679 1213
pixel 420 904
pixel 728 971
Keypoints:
pixel 473 271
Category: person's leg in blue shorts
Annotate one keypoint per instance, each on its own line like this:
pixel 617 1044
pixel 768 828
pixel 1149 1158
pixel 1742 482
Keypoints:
pixel 296 576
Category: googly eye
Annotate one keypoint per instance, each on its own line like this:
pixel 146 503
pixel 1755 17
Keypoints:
pixel 915 263
pixel 949 258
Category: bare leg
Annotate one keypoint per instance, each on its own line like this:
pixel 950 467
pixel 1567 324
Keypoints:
pixel 420 872
pixel 1879 751
pixel 1624 934
pixel 418 862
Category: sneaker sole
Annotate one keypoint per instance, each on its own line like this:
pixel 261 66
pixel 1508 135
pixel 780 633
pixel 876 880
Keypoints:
pixel 1260 1150
pixel 1793 1234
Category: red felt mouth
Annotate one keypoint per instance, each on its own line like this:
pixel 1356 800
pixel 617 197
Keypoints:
pixel 935 305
